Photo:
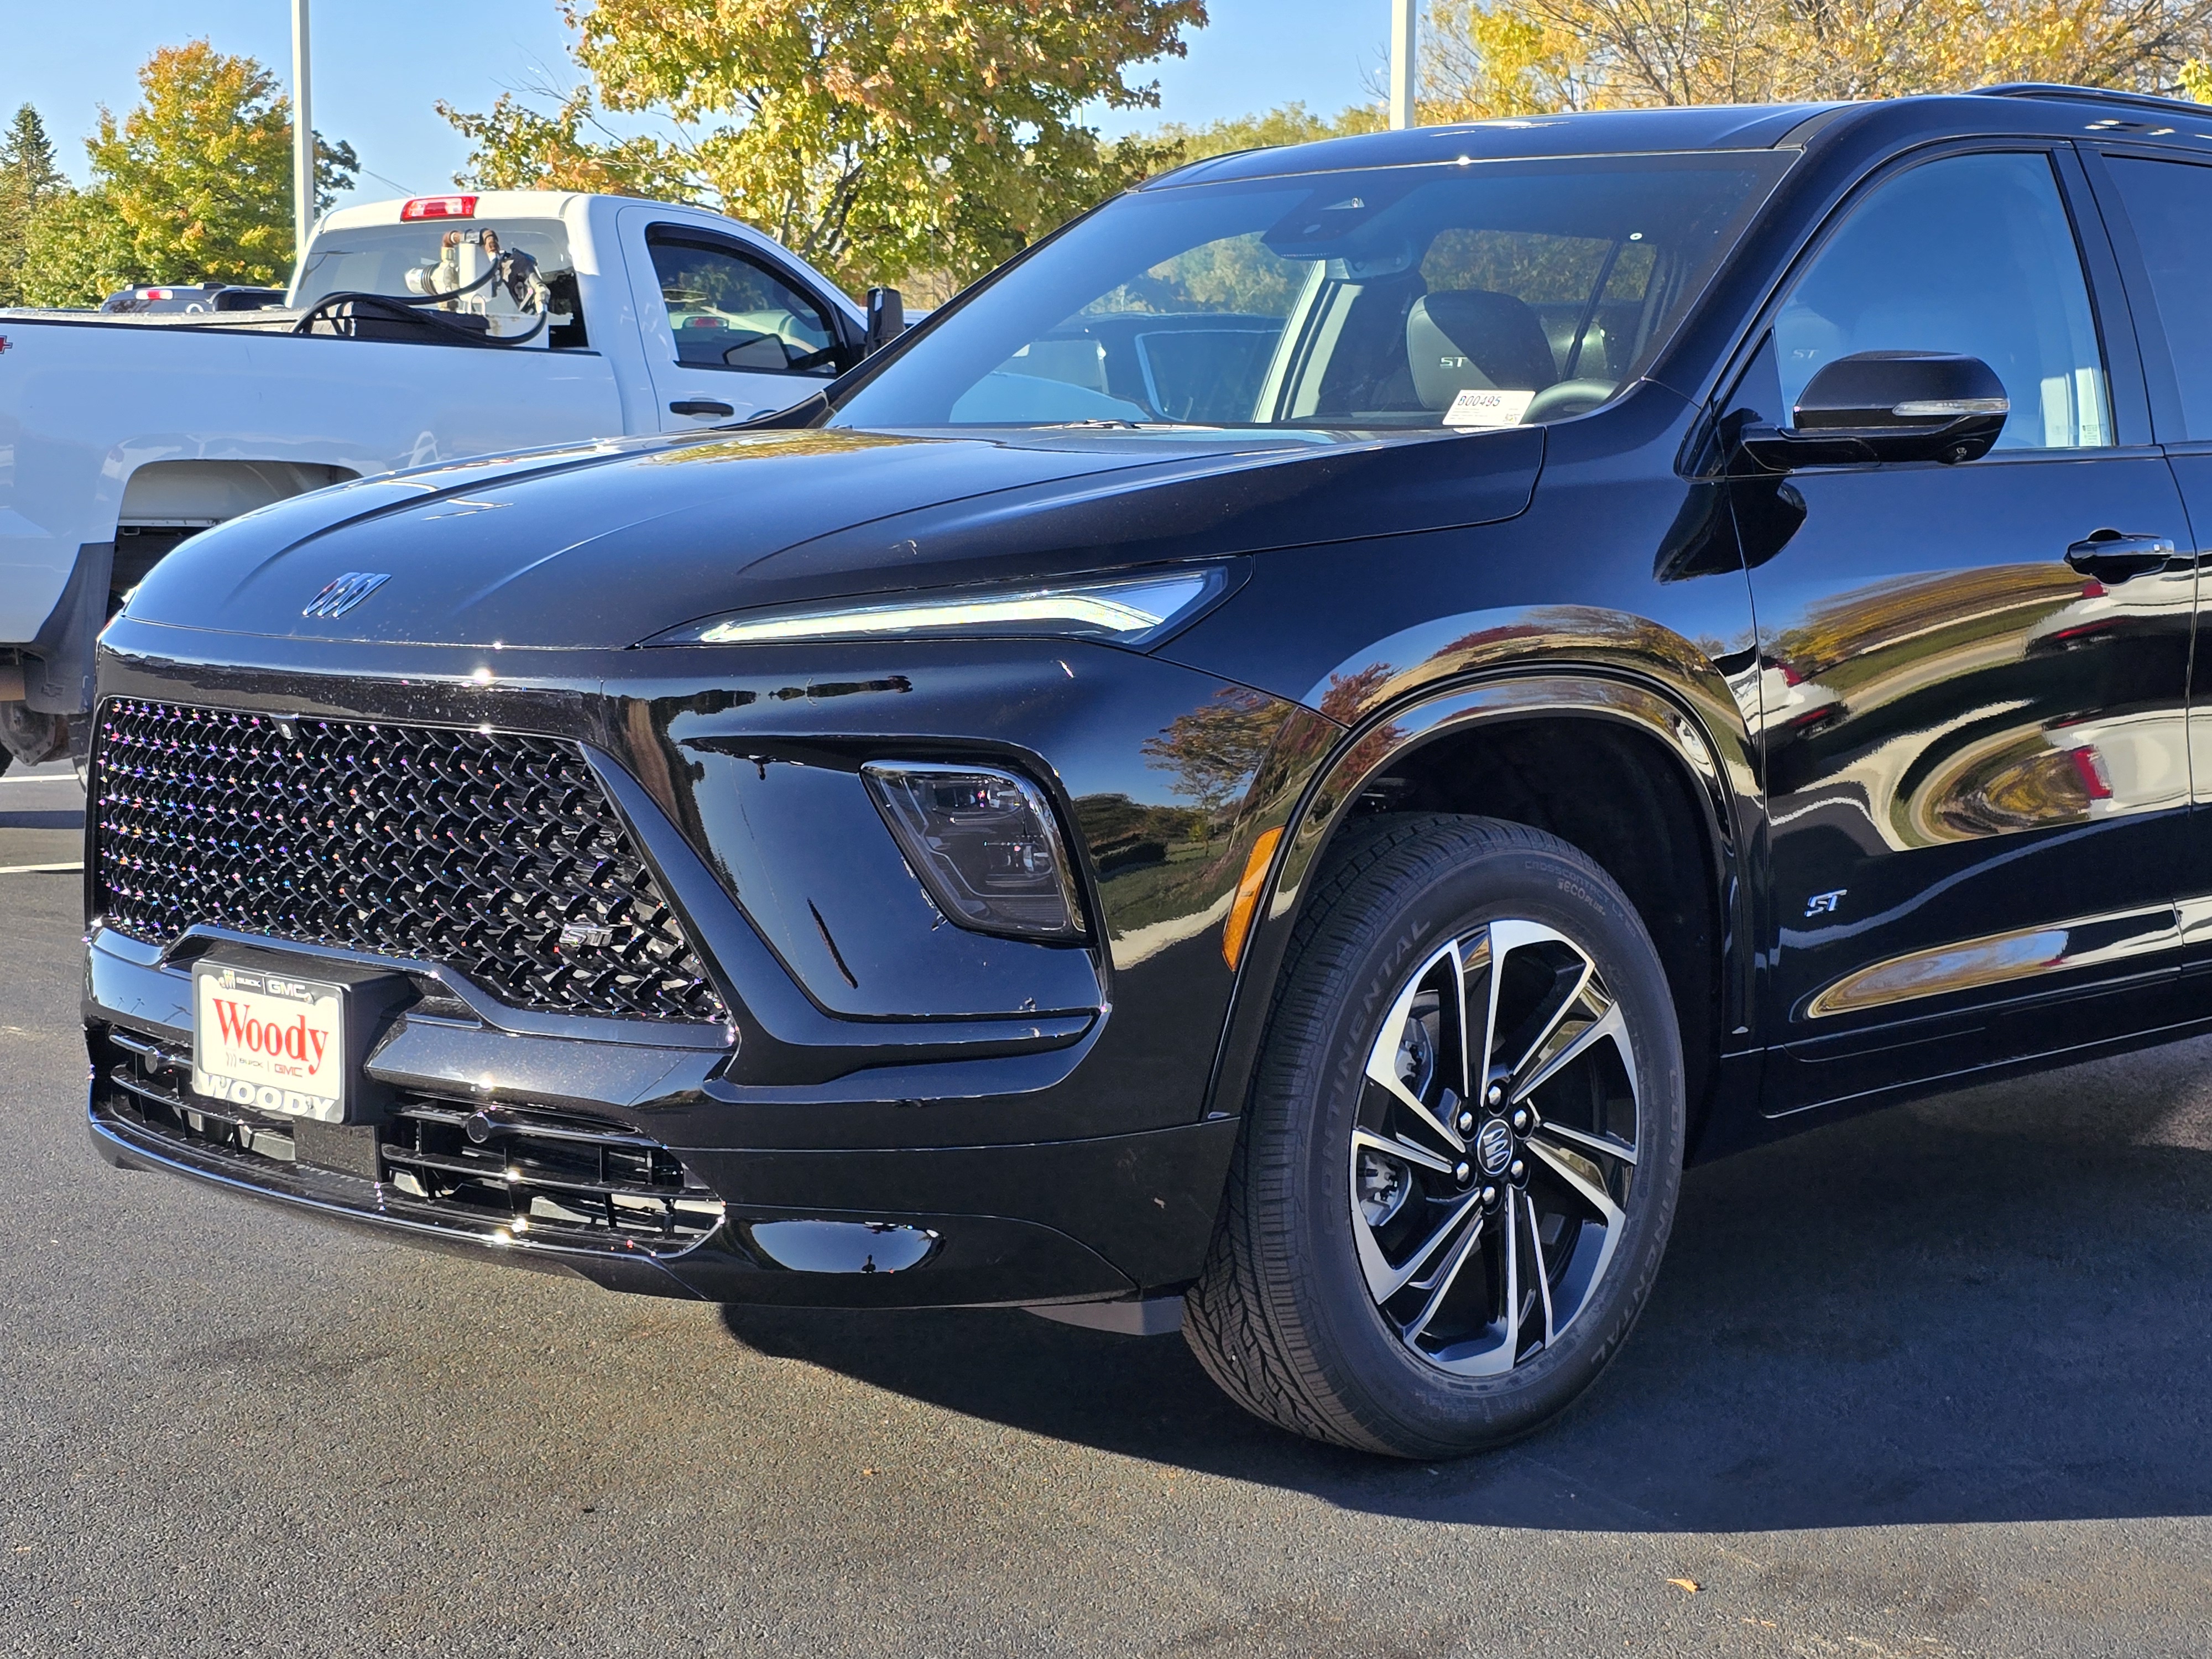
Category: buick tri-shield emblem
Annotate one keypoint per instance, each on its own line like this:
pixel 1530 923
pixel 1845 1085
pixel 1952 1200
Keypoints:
pixel 342 594
pixel 1494 1146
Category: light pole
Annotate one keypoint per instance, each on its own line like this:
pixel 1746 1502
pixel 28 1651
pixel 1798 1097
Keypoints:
pixel 303 139
pixel 1405 58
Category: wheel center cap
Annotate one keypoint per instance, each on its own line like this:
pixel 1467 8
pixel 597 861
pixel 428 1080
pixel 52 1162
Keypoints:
pixel 1493 1147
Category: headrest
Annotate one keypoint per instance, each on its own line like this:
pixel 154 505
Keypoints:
pixel 1465 338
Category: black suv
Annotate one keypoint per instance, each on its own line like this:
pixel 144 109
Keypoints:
pixel 1283 763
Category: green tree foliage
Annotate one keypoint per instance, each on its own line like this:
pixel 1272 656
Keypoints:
pixel 194 185
pixel 874 137
pixel 28 177
pixel 1215 749
pixel 76 252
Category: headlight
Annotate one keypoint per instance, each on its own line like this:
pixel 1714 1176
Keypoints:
pixel 1125 609
pixel 984 843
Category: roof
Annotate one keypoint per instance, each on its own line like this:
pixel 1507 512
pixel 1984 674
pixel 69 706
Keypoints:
pixel 1594 132
pixel 2062 109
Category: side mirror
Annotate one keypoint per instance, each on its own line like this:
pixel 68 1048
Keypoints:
pixel 886 319
pixel 1888 406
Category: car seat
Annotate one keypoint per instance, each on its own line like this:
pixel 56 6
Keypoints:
pixel 1472 339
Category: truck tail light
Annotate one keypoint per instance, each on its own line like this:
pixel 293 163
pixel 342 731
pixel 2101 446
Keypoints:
pixel 439 207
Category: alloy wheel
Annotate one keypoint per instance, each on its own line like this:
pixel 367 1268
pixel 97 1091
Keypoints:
pixel 1493 1155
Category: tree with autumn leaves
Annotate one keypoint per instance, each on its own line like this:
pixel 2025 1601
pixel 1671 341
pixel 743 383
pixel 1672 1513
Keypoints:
pixel 1486 58
pixel 194 185
pixel 875 139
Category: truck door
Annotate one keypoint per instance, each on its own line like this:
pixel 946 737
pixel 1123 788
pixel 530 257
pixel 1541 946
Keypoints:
pixel 1971 678
pixel 727 335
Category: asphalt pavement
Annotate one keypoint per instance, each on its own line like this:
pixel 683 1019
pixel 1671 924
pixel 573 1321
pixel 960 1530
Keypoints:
pixel 1933 1381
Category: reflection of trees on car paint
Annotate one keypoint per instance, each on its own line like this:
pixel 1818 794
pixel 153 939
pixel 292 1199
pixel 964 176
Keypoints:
pixel 2049 756
pixel 1215 749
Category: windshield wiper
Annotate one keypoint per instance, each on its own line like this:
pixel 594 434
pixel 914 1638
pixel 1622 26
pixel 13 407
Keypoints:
pixel 1102 425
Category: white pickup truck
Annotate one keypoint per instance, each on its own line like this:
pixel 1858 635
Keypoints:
pixel 414 333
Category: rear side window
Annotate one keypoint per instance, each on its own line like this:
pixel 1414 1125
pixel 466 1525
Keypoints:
pixel 1971 254
pixel 727 311
pixel 2170 203
pixel 440 255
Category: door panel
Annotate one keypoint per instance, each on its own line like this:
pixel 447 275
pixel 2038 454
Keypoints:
pixel 1976 760
pixel 1964 736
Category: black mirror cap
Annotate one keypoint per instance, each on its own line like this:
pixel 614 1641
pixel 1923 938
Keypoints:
pixel 1899 391
pixel 886 319
pixel 1890 406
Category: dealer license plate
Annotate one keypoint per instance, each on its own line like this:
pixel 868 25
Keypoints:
pixel 269 1041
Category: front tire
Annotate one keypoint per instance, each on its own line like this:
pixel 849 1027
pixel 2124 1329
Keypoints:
pixel 1459 1163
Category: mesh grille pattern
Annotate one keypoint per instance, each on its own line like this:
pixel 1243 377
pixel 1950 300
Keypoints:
pixel 474 851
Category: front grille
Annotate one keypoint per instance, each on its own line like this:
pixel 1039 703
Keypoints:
pixel 550 1176
pixel 498 855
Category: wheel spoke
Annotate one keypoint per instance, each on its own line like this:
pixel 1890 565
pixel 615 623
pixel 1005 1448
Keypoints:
pixel 1605 1144
pixel 1382 1059
pixel 1449 1274
pixel 1609 1024
pixel 1543 1271
pixel 1399 1146
pixel 1385 1281
pixel 1585 974
pixel 1501 940
pixel 1561 1162
pixel 1503 1351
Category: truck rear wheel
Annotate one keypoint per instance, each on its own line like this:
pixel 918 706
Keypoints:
pixel 1459 1163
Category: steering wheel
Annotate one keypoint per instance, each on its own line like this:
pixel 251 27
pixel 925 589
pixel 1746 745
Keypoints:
pixel 1567 398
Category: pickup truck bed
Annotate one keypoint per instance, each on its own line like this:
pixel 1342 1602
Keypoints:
pixel 122 436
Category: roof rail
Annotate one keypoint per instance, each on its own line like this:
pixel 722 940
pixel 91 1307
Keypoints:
pixel 2095 95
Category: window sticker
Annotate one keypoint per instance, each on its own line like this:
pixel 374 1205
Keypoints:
pixel 1493 407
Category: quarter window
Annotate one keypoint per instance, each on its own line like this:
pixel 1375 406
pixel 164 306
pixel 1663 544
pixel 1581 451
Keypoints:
pixel 1971 254
pixel 2170 203
pixel 727 311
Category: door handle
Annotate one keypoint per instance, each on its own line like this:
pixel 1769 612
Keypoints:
pixel 2110 556
pixel 700 406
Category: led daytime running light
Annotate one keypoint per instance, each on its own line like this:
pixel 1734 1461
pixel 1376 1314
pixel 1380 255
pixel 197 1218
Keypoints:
pixel 1125 611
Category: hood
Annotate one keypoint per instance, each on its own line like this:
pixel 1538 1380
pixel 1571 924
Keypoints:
pixel 606 545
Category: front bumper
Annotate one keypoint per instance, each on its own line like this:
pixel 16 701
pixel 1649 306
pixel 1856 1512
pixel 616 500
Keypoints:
pixel 1098 1218
pixel 981 1152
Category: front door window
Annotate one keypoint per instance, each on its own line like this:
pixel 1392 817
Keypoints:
pixel 1973 255
pixel 727 311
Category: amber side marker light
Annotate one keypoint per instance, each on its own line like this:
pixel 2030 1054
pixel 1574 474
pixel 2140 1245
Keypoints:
pixel 1239 931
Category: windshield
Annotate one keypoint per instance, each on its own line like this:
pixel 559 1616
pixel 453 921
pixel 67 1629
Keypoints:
pixel 1460 294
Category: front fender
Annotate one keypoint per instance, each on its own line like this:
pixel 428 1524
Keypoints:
pixel 1691 716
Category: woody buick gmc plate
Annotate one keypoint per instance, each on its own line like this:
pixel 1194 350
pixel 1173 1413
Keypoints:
pixel 269 1041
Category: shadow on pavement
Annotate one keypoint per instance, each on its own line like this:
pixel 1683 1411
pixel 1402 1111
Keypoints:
pixel 1994 1307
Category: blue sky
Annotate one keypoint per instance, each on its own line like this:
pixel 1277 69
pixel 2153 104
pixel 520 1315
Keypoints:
pixel 380 67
